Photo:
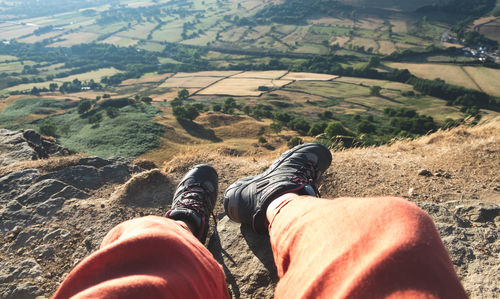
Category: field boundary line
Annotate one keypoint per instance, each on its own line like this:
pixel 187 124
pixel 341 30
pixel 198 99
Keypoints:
pixel 287 72
pixel 471 78
pixel 213 83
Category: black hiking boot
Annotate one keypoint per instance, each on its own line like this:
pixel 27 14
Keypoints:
pixel 297 170
pixel 194 199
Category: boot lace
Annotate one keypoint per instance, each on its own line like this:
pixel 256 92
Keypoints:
pixel 305 175
pixel 195 198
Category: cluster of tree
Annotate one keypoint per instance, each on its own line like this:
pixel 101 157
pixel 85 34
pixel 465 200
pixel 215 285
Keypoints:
pixel 332 64
pixel 36 8
pixel 474 38
pixel 182 110
pixel 259 111
pixel 297 11
pixel 190 27
pixel 404 121
pixel 129 14
pixel 191 57
pixel 472 8
pixel 67 87
pixel 93 110
pixel 86 57
pixel 454 95
pixel 43 30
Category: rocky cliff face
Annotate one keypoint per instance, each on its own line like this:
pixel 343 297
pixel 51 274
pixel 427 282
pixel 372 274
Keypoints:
pixel 54 212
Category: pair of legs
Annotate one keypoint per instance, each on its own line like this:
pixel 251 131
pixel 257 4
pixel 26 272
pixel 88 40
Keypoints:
pixel 347 247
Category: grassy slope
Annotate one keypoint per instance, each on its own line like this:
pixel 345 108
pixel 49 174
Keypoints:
pixel 24 108
pixel 131 133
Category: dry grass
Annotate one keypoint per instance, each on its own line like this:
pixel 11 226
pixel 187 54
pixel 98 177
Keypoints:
pixel 450 73
pixel 308 77
pixel 218 119
pixel 120 41
pixel 399 26
pixel 38 38
pixel 233 35
pixel 486 78
pixel 97 75
pixel 171 94
pixel 75 39
pixel 16 31
pixel 331 21
pixel 364 42
pixel 146 189
pixel 370 23
pixel 242 86
pixel 261 75
pixel 146 79
pixel 8 101
pixel 44 165
pixel 492 30
pixel 29 86
pixel 386 47
pixel 469 155
pixel 208 74
pixel 341 41
pixel 189 82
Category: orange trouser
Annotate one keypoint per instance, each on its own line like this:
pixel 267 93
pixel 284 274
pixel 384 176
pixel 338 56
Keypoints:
pixel 347 247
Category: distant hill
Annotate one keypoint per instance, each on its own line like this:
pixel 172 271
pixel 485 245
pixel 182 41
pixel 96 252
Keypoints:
pixel 290 11
pixel 403 5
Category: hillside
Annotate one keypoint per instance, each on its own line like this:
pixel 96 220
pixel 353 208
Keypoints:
pixel 129 94
pixel 56 211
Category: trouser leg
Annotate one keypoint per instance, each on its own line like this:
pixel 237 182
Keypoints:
pixel 359 247
pixel 149 257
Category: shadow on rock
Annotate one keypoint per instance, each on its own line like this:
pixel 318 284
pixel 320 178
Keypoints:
pixel 247 260
pixel 260 245
pixel 223 257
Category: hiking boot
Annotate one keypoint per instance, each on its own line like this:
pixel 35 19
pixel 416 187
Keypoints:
pixel 297 170
pixel 194 199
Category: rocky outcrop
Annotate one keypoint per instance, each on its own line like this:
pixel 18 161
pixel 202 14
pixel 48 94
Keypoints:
pixel 26 145
pixel 29 197
pixel 39 217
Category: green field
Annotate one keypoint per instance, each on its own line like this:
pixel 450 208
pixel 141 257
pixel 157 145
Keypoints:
pixel 95 75
pixel 131 133
pixel 207 22
pixel 18 112
pixel 17 66
pixel 4 58
pixel 352 96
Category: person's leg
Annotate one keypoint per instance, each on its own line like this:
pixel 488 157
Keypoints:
pixel 149 257
pixel 157 257
pixel 363 248
pixel 358 248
